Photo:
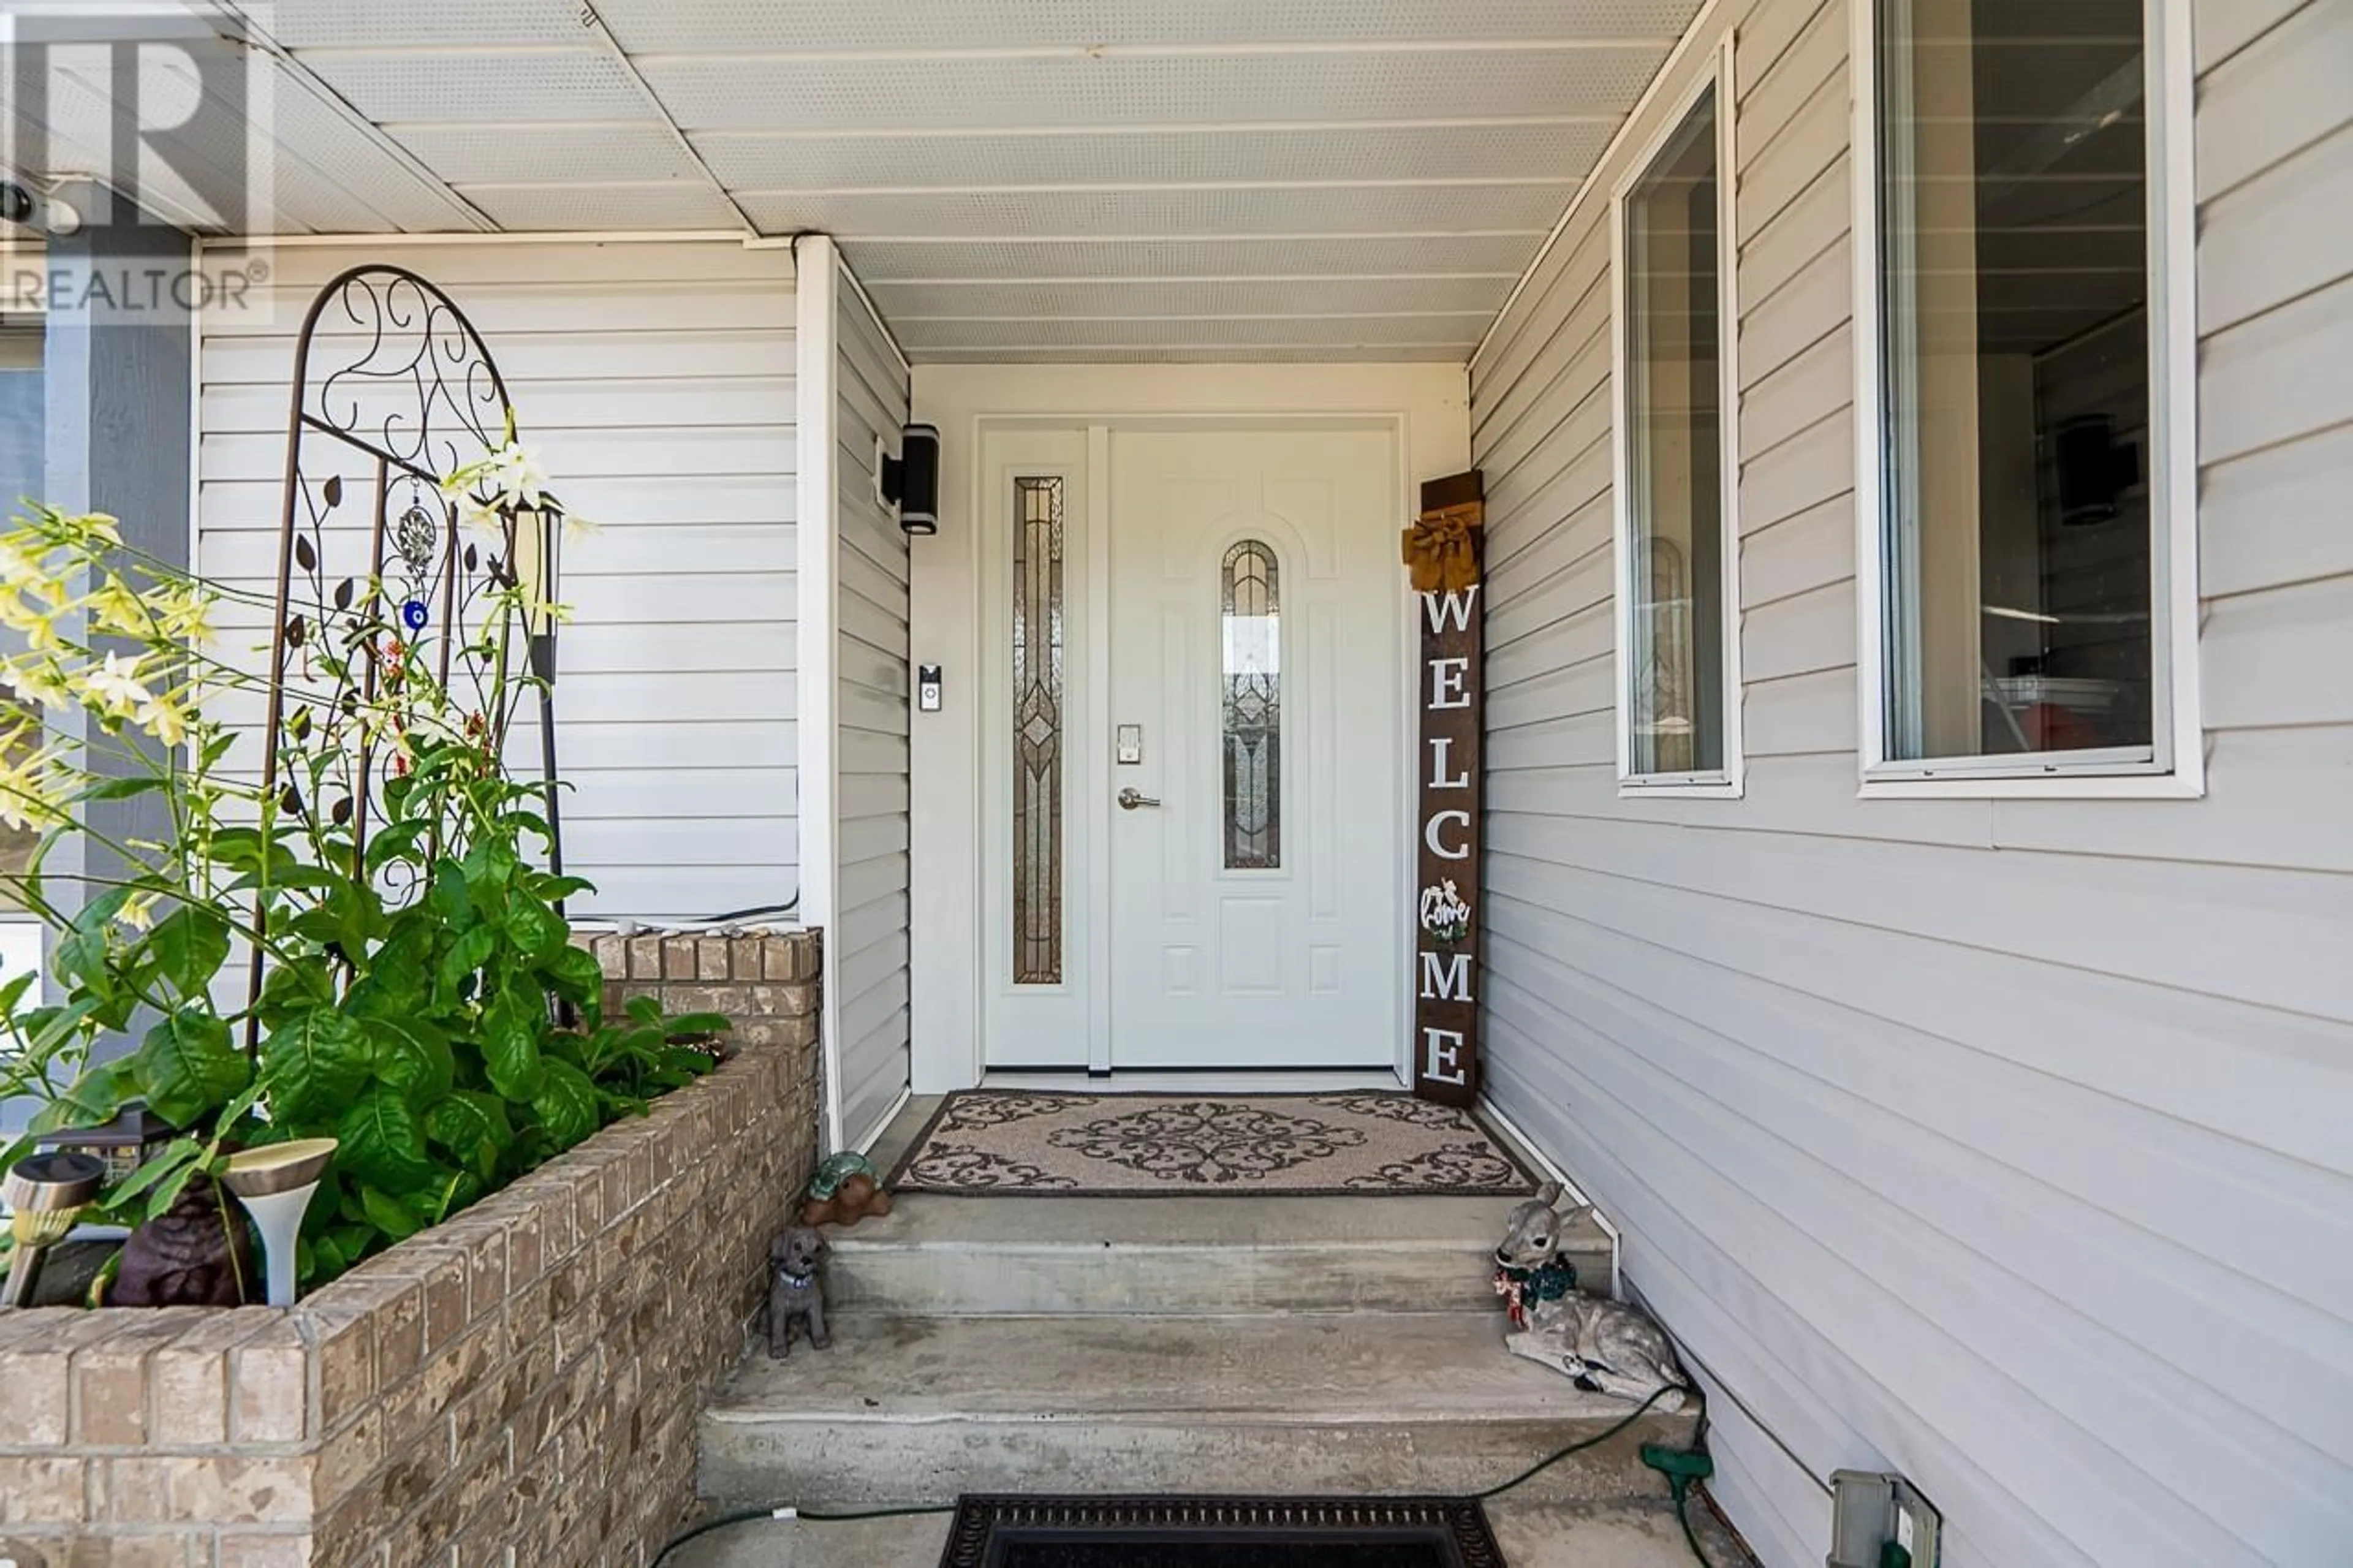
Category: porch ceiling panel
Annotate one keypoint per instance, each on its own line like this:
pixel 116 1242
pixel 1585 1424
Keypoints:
pixel 727 26
pixel 1017 179
pixel 1231 87
pixel 1179 331
pixel 579 207
pixel 1233 258
pixel 1096 155
pixel 565 154
pixel 1145 211
pixel 906 304
pixel 411 23
pixel 455 87
pixel 1218 353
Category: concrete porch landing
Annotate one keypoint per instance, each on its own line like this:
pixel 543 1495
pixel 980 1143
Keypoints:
pixel 1182 1256
pixel 1215 1344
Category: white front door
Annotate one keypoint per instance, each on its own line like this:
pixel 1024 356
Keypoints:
pixel 1254 619
pixel 1194 801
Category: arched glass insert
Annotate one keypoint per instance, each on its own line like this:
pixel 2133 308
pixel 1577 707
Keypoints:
pixel 1037 731
pixel 1251 633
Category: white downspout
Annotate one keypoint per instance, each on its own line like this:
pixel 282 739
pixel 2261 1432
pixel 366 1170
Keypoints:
pixel 1568 1184
pixel 816 276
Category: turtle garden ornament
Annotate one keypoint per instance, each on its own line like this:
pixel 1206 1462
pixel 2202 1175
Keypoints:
pixel 844 1191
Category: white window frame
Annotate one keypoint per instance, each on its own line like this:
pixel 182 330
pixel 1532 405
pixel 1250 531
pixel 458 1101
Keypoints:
pixel 1729 781
pixel 2176 765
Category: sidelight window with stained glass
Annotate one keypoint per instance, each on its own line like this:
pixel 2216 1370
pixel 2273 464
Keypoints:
pixel 1037 730
pixel 1251 672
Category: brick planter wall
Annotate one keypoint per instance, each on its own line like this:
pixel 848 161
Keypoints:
pixel 518 1385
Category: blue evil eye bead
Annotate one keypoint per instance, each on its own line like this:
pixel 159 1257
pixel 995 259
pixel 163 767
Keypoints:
pixel 413 614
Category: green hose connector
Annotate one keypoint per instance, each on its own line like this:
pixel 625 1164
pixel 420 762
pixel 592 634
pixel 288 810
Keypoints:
pixel 1682 1466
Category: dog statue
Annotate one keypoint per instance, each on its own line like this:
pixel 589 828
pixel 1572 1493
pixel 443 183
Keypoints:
pixel 797 1289
pixel 1605 1345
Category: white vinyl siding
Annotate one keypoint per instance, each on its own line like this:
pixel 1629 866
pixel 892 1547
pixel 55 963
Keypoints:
pixel 1999 1142
pixel 873 692
pixel 656 381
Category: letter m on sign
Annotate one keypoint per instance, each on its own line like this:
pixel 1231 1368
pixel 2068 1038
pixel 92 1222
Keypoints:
pixel 1446 977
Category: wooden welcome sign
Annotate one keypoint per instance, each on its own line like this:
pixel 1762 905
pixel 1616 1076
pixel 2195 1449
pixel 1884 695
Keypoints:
pixel 1441 553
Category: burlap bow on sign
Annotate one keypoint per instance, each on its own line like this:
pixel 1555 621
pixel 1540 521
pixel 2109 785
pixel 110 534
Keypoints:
pixel 1441 551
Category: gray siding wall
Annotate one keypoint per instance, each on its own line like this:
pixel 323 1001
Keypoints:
pixel 870 902
pixel 2007 1144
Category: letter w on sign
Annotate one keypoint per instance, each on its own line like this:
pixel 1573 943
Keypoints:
pixel 1442 556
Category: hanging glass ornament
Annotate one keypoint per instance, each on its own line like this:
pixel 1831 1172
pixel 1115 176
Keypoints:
pixel 415 532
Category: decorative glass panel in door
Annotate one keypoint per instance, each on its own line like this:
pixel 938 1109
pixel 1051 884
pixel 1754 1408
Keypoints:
pixel 1251 630
pixel 1038 728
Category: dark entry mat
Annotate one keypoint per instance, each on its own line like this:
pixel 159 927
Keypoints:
pixel 1221 1532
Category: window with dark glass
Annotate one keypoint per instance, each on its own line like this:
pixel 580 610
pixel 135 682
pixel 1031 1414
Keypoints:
pixel 1674 489
pixel 1252 675
pixel 2016 521
pixel 1037 730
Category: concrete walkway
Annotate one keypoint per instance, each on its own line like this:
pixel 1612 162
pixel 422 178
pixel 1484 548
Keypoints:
pixel 1532 1535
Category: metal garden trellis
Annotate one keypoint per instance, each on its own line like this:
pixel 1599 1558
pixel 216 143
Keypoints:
pixel 390 374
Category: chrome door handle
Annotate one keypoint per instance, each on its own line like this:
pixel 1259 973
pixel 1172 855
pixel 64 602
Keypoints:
pixel 1129 799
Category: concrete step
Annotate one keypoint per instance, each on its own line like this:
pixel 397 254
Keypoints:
pixel 945 1257
pixel 909 1410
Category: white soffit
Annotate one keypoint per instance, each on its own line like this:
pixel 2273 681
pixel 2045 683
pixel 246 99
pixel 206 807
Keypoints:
pixel 1050 180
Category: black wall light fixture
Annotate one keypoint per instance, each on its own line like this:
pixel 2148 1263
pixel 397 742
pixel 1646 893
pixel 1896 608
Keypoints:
pixel 909 484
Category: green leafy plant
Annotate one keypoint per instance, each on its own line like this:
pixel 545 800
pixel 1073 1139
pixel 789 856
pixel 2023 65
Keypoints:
pixel 421 1002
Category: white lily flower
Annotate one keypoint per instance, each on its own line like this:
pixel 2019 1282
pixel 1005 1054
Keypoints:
pixel 518 476
pixel 161 718
pixel 115 609
pixel 19 571
pixel 35 680
pixel 477 514
pixel 39 626
pixel 189 617
pixel 115 687
pixel 27 795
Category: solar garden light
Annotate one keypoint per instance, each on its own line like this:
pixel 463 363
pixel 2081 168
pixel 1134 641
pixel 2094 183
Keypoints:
pixel 47 1193
pixel 134 1137
pixel 275 1184
pixel 536 548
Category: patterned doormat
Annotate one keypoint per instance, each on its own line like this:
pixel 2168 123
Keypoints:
pixel 1221 1532
pixel 1372 1143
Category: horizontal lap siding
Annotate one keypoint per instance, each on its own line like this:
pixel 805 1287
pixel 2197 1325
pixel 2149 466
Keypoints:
pixel 656 381
pixel 871 933
pixel 1999 1143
